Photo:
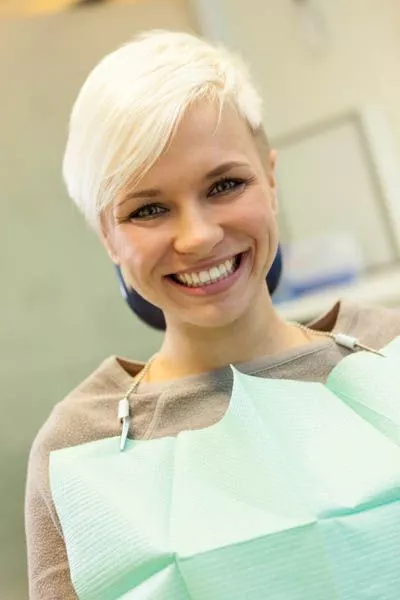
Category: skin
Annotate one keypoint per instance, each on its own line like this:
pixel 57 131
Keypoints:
pixel 193 219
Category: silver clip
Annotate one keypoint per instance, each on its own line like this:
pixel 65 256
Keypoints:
pixel 124 417
pixel 368 349
pixel 352 343
pixel 124 433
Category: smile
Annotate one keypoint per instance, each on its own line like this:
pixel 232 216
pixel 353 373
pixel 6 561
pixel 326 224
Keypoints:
pixel 209 276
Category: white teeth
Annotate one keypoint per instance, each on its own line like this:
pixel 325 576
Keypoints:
pixel 204 277
pixel 210 276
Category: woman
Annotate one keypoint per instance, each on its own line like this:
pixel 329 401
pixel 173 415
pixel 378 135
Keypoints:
pixel 167 160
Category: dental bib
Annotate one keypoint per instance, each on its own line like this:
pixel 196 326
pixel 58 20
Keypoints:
pixel 293 495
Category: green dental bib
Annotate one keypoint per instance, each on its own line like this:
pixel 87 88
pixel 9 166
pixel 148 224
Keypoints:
pixel 293 495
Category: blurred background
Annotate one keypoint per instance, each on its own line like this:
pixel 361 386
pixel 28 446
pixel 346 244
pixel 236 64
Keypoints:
pixel 329 74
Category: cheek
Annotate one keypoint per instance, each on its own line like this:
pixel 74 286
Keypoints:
pixel 140 252
pixel 128 249
pixel 257 217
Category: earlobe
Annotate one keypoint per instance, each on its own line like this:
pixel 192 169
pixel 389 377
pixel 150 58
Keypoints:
pixel 272 156
pixel 272 180
pixel 272 168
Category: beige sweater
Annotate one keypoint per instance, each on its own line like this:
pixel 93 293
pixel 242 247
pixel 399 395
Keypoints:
pixel 90 413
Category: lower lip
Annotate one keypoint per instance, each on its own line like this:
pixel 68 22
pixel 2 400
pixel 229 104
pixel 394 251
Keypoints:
pixel 218 286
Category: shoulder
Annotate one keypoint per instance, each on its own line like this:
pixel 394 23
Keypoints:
pixel 87 413
pixel 373 325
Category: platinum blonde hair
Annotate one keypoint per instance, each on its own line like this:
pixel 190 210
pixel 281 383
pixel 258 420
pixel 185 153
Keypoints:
pixel 131 103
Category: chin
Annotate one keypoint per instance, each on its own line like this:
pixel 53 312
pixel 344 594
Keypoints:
pixel 212 317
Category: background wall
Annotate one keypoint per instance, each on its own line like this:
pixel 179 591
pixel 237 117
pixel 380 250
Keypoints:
pixel 301 85
pixel 60 308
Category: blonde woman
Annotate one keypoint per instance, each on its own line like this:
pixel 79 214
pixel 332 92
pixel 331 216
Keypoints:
pixel 167 160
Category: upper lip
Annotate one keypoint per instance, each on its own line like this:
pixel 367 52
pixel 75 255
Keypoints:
pixel 206 265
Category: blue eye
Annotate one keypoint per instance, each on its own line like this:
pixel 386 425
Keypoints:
pixel 226 185
pixel 149 211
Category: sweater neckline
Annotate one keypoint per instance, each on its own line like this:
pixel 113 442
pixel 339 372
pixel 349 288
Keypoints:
pixel 338 318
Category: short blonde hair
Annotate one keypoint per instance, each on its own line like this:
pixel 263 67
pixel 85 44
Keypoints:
pixel 132 102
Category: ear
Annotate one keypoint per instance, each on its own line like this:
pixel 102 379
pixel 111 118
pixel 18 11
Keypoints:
pixel 271 170
pixel 107 238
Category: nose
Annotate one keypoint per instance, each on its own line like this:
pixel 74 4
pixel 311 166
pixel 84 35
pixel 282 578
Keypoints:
pixel 197 232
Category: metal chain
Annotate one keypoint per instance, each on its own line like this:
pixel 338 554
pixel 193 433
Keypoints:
pixel 342 339
pixel 313 331
pixel 139 378
pixel 345 341
pixel 124 411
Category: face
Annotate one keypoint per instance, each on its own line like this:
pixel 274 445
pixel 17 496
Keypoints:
pixel 197 236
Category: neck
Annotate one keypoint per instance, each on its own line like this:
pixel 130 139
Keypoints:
pixel 194 350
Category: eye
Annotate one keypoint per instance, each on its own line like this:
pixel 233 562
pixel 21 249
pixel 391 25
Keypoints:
pixel 226 185
pixel 149 211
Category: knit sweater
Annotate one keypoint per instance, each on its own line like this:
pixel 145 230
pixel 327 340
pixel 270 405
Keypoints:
pixel 89 413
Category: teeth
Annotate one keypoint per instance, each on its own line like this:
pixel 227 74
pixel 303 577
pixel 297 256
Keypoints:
pixel 210 276
pixel 204 276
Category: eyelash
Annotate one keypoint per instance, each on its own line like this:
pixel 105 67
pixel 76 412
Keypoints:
pixel 237 183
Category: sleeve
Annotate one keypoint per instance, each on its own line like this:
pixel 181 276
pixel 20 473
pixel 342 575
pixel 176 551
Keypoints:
pixel 48 569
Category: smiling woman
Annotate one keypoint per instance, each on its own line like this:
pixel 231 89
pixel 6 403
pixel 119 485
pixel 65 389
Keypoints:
pixel 191 212
pixel 151 481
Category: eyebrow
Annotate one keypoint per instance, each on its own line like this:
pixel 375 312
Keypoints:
pixel 153 193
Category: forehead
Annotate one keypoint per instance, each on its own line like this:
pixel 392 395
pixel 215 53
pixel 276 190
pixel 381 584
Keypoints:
pixel 205 137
